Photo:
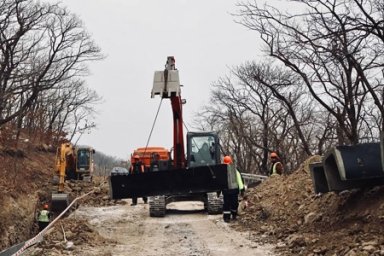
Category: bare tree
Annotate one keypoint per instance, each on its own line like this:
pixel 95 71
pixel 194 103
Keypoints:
pixel 60 111
pixel 368 19
pixel 104 163
pixel 324 48
pixel 281 84
pixel 233 122
pixel 251 121
pixel 42 46
pixel 262 109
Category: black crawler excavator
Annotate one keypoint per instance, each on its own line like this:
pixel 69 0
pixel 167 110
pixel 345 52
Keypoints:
pixel 196 176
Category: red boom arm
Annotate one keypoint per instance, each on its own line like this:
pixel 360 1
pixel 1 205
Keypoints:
pixel 178 135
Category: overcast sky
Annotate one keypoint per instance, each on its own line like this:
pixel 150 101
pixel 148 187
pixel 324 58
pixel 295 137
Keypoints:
pixel 137 36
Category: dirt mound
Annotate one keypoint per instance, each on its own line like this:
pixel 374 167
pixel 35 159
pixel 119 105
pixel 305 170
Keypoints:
pixel 98 189
pixel 285 210
pixel 68 234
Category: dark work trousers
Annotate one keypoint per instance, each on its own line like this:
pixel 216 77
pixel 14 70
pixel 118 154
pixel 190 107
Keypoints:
pixel 42 225
pixel 134 200
pixel 138 168
pixel 231 203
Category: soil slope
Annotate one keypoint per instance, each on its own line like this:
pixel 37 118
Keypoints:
pixel 285 210
pixel 24 184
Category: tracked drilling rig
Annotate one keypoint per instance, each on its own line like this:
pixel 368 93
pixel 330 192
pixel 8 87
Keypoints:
pixel 196 176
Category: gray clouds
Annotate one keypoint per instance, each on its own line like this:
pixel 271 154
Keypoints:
pixel 137 36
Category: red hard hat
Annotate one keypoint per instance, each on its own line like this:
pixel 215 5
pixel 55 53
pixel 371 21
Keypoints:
pixel 227 160
pixel 274 155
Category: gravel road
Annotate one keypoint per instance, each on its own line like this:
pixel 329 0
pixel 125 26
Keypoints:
pixel 186 230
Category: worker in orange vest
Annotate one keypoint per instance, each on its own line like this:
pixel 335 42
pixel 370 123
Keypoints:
pixel 137 167
pixel 276 166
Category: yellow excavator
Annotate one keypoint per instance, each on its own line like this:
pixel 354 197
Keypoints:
pixel 72 163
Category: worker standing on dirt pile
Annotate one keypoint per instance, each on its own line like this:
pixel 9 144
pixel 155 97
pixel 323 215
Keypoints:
pixel 231 196
pixel 276 166
pixel 44 217
pixel 136 168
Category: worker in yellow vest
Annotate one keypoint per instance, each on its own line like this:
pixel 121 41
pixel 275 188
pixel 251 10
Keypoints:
pixel 231 196
pixel 44 217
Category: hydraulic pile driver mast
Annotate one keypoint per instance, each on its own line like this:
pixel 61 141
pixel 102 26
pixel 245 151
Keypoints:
pixel 196 176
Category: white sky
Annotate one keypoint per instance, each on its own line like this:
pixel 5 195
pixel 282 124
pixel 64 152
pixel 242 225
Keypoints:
pixel 137 36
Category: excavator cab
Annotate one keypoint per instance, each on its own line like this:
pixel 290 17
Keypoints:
pixel 202 149
pixel 84 162
pixel 83 159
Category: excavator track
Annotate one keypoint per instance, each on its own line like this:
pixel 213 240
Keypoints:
pixel 157 206
pixel 214 203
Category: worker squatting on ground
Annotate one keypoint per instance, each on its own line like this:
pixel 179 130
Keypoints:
pixel 276 166
pixel 136 168
pixel 231 196
pixel 44 217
